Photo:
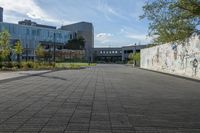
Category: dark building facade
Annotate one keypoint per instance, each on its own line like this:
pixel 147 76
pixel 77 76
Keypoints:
pixel 115 55
pixel 85 30
pixel 126 50
pixel 108 55
pixel 1 14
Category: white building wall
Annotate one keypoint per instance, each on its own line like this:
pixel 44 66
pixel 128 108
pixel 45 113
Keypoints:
pixel 181 59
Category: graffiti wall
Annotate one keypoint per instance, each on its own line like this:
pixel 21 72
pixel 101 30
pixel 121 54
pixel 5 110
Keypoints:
pixel 182 59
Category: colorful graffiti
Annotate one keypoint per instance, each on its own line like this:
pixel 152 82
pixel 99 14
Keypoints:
pixel 182 59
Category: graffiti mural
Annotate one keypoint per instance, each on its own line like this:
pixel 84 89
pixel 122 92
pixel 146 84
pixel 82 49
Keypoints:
pixel 182 59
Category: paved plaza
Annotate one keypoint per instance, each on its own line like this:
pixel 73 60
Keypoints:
pixel 11 75
pixel 101 99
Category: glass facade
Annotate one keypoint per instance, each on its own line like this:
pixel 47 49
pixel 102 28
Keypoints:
pixel 31 36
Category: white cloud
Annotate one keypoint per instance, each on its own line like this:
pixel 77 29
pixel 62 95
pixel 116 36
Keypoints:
pixel 29 9
pixel 103 37
pixel 109 11
pixel 137 36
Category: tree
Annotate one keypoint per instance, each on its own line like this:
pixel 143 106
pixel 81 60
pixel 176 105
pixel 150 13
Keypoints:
pixel 172 20
pixel 130 57
pixel 4 44
pixel 134 58
pixel 39 51
pixel 76 44
pixel 18 50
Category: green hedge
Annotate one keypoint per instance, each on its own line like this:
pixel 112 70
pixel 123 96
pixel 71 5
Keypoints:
pixel 25 65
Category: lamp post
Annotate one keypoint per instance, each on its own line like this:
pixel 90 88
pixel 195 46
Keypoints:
pixel 26 49
pixel 70 56
pixel 135 53
pixel 26 52
pixel 54 47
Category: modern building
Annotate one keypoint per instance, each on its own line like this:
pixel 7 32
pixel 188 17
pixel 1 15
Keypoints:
pixel 1 14
pixel 126 50
pixel 108 55
pixel 31 23
pixel 31 36
pixel 85 30
pixel 115 55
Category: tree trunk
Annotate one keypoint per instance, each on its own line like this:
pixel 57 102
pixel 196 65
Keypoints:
pixel 18 58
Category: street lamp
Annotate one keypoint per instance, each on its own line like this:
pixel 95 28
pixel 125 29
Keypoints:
pixel 135 53
pixel 26 49
pixel 54 47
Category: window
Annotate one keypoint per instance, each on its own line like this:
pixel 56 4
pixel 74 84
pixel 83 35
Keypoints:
pixel 27 32
pixel 38 32
pixel 65 36
pixel 75 35
pixel 33 32
pixel 14 29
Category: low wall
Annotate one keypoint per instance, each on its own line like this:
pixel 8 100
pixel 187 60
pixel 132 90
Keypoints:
pixel 180 59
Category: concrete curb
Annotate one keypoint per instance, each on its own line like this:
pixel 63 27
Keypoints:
pixel 169 74
pixel 25 76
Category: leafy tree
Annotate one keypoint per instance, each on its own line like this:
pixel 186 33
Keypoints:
pixel 76 44
pixel 172 20
pixel 4 44
pixel 134 57
pixel 130 56
pixel 18 50
pixel 39 51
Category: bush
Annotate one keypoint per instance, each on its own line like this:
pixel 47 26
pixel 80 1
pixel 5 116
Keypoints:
pixel 8 64
pixel 131 62
pixel 27 65
pixel 17 65
pixel 11 66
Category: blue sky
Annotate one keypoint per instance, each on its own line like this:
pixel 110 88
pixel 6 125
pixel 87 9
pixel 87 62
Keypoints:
pixel 116 22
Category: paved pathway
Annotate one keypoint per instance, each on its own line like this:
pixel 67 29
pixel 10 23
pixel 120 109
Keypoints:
pixel 102 99
pixel 16 74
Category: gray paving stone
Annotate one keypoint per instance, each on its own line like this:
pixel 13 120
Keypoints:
pixel 101 99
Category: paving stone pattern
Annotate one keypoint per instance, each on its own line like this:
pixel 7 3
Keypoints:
pixel 101 99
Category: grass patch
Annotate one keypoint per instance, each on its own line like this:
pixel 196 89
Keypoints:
pixel 73 65
pixel 15 66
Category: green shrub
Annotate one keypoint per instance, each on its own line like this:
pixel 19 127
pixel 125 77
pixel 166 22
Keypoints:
pixel 8 64
pixel 17 65
pixel 14 68
pixel 27 65
pixel 131 62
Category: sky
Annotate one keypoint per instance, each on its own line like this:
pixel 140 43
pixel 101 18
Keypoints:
pixel 116 22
